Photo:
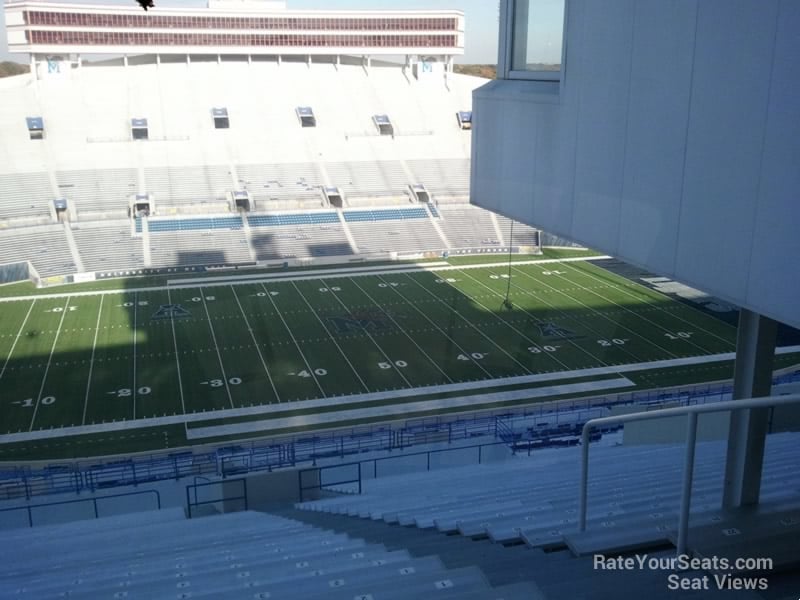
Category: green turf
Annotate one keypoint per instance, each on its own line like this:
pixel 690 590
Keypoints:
pixel 74 360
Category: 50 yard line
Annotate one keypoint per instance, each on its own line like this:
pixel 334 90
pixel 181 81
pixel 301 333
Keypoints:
pixel 14 345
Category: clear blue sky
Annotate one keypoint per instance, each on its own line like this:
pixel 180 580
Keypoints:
pixel 481 19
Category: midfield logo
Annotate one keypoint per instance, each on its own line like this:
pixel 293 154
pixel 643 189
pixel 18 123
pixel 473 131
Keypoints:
pixel 551 330
pixel 170 311
pixel 366 320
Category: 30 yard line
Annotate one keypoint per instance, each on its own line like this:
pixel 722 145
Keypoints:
pixel 606 317
pixel 14 345
pixel 498 294
pixel 556 309
pixel 330 335
pixel 216 347
pixel 598 313
pixel 177 358
pixel 413 341
pixel 49 360
pixel 91 362
pixel 291 335
pixel 255 343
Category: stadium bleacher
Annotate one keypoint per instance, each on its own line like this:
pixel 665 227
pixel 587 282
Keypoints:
pixel 238 555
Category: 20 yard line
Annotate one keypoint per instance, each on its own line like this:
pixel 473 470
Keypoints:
pixel 49 360
pixel 255 343
pixel 91 362
pixel 177 359
pixel 622 289
pixel 291 335
pixel 14 345
pixel 216 347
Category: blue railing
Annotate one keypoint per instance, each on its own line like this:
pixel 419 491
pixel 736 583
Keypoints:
pixel 29 507
pixel 318 482
pixel 507 425
pixel 224 486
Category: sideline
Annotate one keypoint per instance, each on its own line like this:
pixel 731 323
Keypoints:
pixel 298 276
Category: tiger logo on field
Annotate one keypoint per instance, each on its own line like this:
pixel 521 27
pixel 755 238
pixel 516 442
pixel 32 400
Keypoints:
pixel 370 321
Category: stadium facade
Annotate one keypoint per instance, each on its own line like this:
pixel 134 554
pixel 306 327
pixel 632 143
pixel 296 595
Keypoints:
pixel 231 27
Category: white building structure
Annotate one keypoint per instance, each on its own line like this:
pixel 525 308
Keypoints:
pixel 46 30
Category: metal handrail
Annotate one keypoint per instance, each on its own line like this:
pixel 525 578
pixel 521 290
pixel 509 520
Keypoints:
pixel 692 413
pixel 29 507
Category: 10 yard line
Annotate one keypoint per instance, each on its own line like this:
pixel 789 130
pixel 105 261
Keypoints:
pixel 14 345
pixel 91 361
pixel 49 360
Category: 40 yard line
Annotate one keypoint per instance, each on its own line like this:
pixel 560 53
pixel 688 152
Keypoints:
pixel 49 360
pixel 291 335
pixel 255 343
pixel 14 345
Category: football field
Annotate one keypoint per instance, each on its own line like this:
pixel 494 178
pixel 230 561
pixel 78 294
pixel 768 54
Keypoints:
pixel 89 358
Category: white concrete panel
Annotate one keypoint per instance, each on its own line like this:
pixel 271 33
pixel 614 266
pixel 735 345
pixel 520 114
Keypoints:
pixel 730 87
pixel 658 114
pixel 602 117
pixel 776 247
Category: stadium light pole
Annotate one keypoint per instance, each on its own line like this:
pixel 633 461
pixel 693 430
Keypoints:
pixel 507 301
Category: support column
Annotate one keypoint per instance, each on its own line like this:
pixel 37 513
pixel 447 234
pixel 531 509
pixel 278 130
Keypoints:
pixel 752 378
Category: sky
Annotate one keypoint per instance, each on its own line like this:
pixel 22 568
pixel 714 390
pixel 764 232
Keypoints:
pixel 481 17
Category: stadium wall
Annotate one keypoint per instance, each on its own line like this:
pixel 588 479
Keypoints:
pixel 672 141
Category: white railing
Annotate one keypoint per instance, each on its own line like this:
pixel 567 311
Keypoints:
pixel 691 438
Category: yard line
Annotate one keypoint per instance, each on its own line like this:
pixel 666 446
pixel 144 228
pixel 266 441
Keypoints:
pixel 216 347
pixel 177 360
pixel 463 318
pixel 330 335
pixel 606 317
pixel 91 361
pixel 372 339
pixel 291 335
pixel 428 319
pixel 391 318
pixel 255 343
pixel 133 391
pixel 49 360
pixel 627 293
pixel 535 343
pixel 14 345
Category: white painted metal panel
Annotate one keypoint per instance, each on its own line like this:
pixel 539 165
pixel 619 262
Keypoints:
pixel 673 142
